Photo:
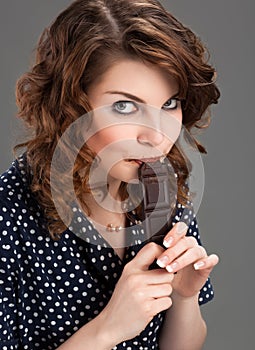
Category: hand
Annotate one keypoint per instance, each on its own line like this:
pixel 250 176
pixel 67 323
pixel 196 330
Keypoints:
pixel 139 295
pixel 188 259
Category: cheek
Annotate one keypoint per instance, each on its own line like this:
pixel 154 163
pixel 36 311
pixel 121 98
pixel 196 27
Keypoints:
pixel 109 136
pixel 172 130
pixel 178 116
pixel 98 141
pixel 172 127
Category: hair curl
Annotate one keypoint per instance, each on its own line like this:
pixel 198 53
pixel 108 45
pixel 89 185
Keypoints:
pixel 79 46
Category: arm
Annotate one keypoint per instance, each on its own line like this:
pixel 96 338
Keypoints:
pixel 184 327
pixel 182 322
pixel 178 321
pixel 93 335
pixel 139 295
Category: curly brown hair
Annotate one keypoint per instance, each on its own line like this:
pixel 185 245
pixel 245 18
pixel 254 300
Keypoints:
pixel 77 48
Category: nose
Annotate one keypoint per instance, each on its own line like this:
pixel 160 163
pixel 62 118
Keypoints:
pixel 150 136
pixel 150 131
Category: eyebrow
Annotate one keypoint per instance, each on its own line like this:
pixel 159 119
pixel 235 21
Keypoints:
pixel 133 97
pixel 126 94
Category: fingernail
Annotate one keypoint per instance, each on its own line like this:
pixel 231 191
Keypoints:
pixel 198 265
pixel 168 242
pixel 181 227
pixel 171 268
pixel 162 262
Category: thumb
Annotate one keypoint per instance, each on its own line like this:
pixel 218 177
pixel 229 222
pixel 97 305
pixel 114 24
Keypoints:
pixel 146 256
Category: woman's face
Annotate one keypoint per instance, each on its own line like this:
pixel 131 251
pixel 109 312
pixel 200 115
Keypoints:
pixel 137 117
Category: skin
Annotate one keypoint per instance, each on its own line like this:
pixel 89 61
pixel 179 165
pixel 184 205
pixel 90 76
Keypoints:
pixel 128 132
pixel 133 139
pixel 142 293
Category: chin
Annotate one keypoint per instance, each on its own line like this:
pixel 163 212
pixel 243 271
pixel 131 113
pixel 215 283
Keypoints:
pixel 124 173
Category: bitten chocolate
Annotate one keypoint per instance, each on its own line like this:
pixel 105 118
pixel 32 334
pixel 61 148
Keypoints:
pixel 154 177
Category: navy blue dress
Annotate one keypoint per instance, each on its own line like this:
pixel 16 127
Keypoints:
pixel 49 289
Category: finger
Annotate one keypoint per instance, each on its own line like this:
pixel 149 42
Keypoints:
pixel 207 263
pixel 159 291
pixel 146 256
pixel 175 234
pixel 178 249
pixel 189 257
pixel 160 304
pixel 158 276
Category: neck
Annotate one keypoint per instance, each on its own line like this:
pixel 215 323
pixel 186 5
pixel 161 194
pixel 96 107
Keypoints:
pixel 104 208
pixel 113 189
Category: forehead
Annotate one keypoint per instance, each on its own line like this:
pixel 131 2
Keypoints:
pixel 146 81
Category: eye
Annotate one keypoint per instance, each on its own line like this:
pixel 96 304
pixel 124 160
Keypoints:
pixel 125 107
pixel 171 104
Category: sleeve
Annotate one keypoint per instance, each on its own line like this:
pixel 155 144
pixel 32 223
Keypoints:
pixel 9 339
pixel 187 215
pixel 8 331
pixel 206 293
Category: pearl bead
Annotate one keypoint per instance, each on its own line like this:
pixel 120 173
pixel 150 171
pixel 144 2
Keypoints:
pixel 111 228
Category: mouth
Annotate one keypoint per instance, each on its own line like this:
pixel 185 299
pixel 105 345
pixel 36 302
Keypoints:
pixel 140 161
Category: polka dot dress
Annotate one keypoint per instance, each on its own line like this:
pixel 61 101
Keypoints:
pixel 49 289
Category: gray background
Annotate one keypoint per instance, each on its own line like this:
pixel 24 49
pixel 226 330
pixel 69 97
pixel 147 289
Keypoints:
pixel 227 210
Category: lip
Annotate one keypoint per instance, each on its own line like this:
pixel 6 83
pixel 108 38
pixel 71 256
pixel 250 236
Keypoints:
pixel 140 161
pixel 150 160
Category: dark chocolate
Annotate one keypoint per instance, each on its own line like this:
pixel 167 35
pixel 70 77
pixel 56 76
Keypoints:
pixel 154 177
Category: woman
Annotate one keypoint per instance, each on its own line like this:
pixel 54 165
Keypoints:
pixel 68 278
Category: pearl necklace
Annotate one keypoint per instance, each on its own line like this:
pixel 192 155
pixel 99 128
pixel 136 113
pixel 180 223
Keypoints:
pixel 111 228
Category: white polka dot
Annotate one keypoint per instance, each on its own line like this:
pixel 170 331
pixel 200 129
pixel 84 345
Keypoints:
pixel 64 283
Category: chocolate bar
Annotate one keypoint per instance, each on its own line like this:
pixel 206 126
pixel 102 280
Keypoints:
pixel 156 215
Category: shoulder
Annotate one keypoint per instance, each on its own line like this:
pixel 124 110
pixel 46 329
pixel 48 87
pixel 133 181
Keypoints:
pixel 15 183
pixel 16 197
pixel 20 214
pixel 187 214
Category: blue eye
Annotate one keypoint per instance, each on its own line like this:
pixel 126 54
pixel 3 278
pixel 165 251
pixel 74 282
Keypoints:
pixel 171 104
pixel 125 107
